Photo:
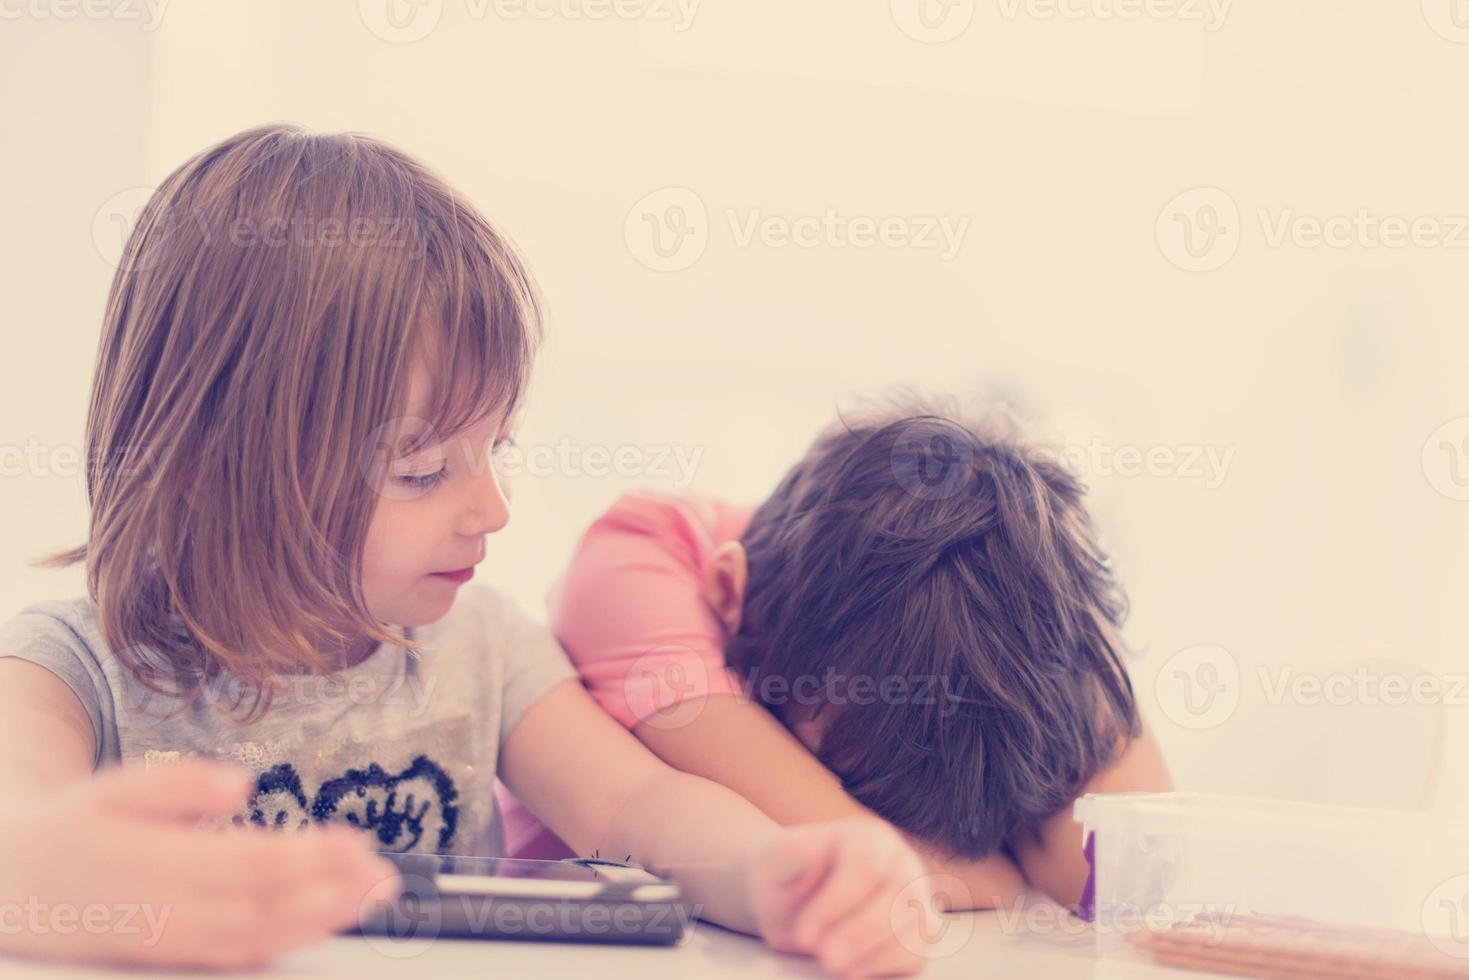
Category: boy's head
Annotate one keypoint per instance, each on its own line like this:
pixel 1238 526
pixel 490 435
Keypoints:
pixel 922 600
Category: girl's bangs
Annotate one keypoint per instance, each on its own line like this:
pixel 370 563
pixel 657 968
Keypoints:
pixel 479 327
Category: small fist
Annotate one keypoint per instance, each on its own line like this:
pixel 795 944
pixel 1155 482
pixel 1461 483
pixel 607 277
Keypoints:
pixel 850 893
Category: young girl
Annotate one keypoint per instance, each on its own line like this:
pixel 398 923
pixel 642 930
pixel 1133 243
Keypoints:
pixel 311 351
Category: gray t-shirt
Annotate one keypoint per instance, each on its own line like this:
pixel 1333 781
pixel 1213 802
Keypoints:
pixel 404 746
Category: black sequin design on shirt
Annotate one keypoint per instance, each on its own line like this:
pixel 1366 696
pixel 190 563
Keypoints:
pixel 398 809
pixel 278 802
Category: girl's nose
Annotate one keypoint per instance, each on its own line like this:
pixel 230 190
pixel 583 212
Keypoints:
pixel 489 504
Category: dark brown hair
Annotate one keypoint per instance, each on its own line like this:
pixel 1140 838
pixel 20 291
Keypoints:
pixel 256 346
pixel 956 564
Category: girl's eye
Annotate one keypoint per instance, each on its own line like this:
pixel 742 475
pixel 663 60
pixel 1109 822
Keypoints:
pixel 422 481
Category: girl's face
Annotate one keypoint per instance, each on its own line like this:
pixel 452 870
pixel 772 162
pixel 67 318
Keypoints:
pixel 434 510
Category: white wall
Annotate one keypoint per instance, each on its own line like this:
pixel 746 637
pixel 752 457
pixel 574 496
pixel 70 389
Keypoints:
pixel 1326 543
pixel 72 138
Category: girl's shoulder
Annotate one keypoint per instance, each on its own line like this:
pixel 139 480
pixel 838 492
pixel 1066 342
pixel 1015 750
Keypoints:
pixel 65 637
pixel 492 625
pixel 477 607
pixel 489 644
pixel 52 627
pixel 79 612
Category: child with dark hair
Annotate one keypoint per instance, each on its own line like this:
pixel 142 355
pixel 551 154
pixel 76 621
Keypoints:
pixel 918 622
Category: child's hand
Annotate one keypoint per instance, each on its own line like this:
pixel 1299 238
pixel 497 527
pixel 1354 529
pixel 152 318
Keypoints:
pixel 116 870
pixel 851 893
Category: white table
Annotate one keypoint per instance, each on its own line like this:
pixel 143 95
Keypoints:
pixel 1039 943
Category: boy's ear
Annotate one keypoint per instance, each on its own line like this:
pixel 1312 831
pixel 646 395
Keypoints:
pixel 724 583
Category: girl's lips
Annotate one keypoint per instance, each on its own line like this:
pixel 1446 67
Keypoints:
pixel 462 575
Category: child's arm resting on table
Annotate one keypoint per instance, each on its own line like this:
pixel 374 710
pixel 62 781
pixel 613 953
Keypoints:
pixel 1055 861
pixel 739 744
pixel 230 899
pixel 849 892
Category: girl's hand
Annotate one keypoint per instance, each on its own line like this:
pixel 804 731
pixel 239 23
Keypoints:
pixel 851 893
pixel 116 870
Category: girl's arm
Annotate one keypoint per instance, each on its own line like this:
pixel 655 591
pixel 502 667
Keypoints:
pixel 231 899
pixel 849 892
pixel 37 708
pixel 739 744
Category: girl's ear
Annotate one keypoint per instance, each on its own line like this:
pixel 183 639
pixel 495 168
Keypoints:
pixel 724 583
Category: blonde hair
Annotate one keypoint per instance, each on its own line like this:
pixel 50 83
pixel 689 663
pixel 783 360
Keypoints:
pixel 257 343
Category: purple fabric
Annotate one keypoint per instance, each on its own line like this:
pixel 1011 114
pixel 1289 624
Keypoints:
pixel 1086 908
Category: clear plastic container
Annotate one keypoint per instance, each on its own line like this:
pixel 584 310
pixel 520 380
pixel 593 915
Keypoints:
pixel 1163 860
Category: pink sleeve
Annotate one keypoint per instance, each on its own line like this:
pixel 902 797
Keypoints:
pixel 630 610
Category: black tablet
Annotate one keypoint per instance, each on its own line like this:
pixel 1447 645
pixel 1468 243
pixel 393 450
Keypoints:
pixel 546 901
